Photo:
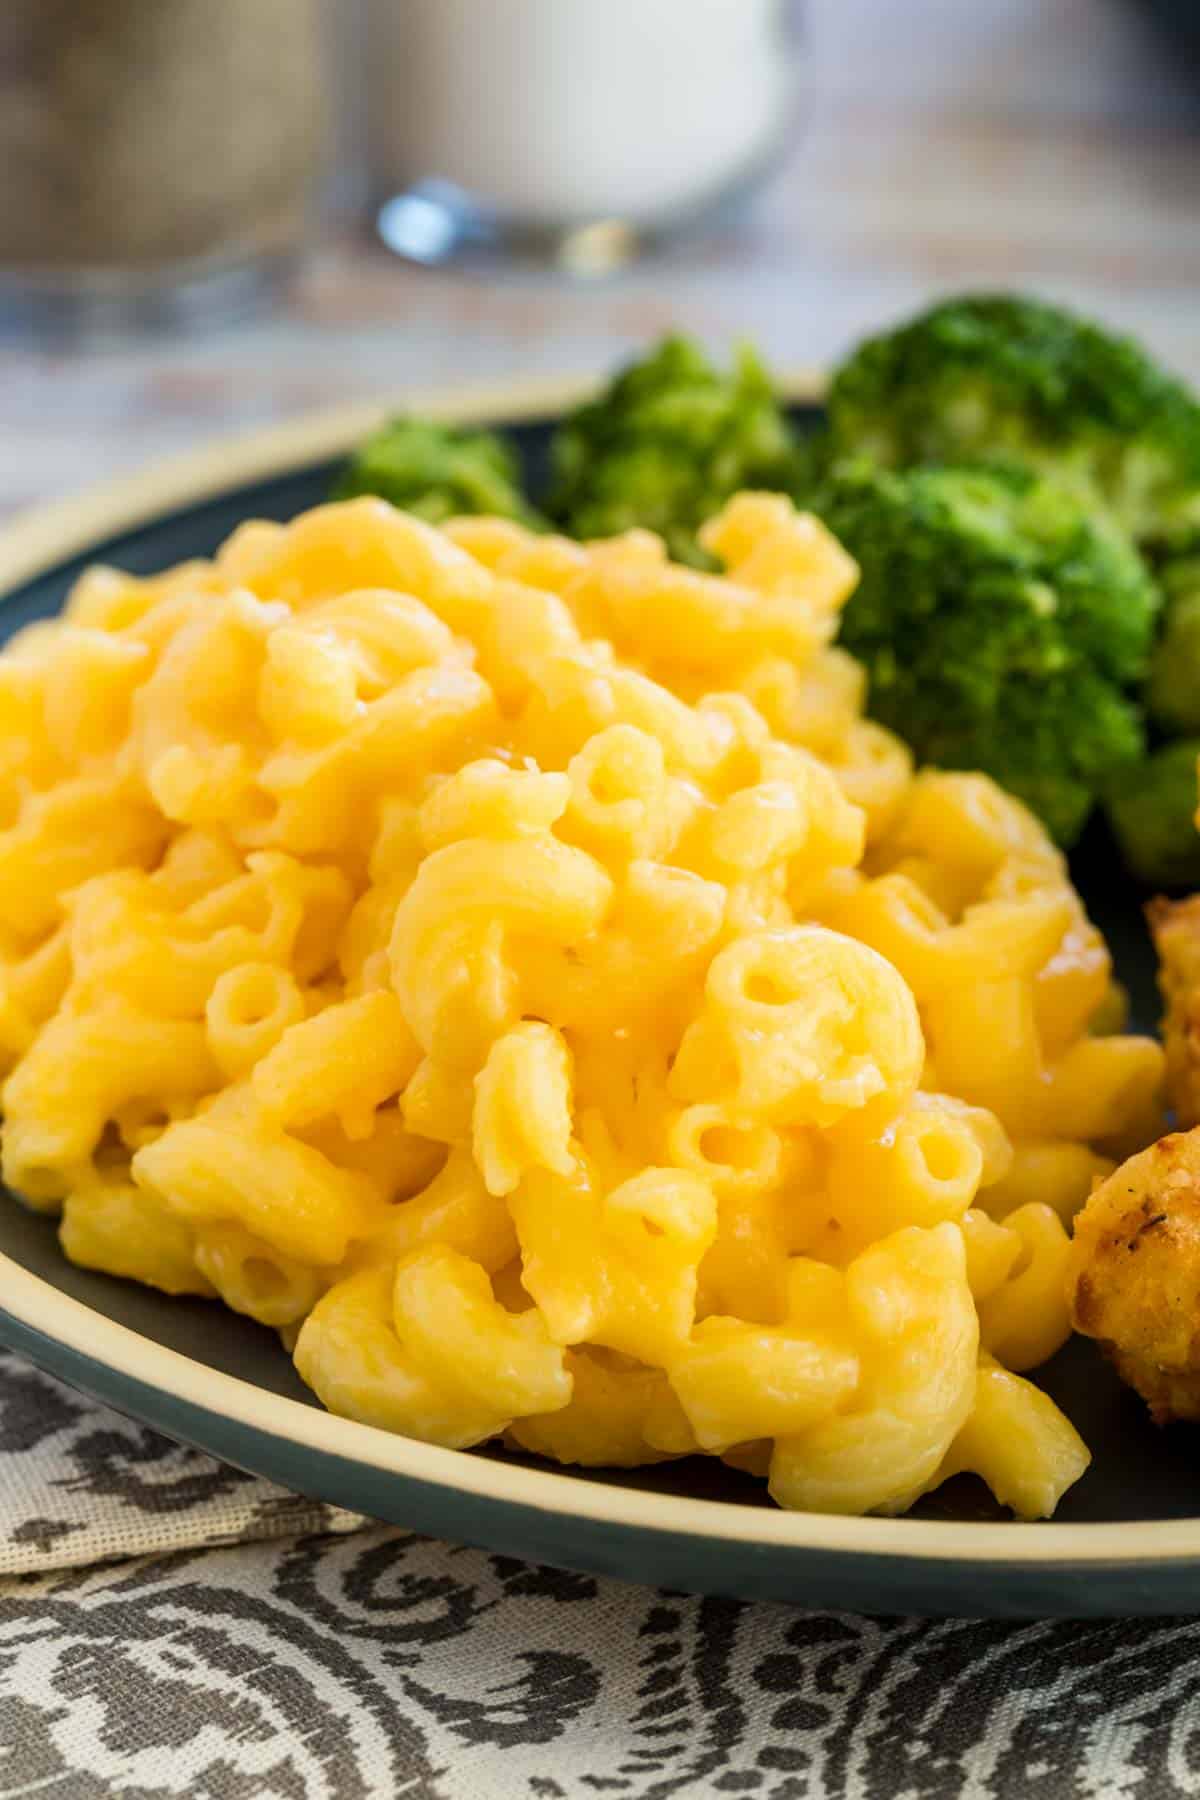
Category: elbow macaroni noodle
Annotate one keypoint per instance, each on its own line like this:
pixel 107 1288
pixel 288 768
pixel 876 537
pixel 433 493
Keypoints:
pixel 514 970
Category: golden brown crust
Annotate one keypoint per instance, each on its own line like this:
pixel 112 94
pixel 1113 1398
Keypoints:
pixel 1134 1274
pixel 1134 1281
pixel 1175 928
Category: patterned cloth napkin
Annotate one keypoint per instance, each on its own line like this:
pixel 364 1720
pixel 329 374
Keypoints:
pixel 149 1649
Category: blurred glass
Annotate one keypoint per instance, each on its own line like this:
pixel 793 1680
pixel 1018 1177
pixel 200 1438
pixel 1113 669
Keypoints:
pixel 577 129
pixel 157 157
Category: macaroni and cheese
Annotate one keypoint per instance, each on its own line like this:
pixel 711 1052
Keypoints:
pixel 515 971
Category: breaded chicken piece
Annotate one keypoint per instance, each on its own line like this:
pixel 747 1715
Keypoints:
pixel 1133 1279
pixel 1175 928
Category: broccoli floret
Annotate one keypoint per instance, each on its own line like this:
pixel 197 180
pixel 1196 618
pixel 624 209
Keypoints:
pixel 666 445
pixel 1151 807
pixel 983 374
pixel 1000 622
pixel 1173 689
pixel 438 471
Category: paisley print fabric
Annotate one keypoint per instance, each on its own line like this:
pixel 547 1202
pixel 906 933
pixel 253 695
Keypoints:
pixel 149 1650
pixel 81 1484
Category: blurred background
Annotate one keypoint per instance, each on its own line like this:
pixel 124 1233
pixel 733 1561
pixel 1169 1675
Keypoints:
pixel 195 194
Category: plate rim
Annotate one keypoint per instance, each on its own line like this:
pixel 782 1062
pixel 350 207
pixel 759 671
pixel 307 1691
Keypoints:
pixel 39 538
pixel 44 1311
pixel 42 538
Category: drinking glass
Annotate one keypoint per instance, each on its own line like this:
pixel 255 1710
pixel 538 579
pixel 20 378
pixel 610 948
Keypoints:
pixel 575 129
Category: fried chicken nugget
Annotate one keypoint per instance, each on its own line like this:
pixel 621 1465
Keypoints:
pixel 1175 928
pixel 1133 1279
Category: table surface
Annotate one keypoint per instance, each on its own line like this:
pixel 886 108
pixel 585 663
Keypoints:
pixel 1051 144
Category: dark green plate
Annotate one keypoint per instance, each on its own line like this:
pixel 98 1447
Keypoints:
pixel 1126 1538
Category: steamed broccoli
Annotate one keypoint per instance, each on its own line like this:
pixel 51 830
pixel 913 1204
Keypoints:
pixel 437 471
pixel 986 374
pixel 666 445
pixel 1173 689
pixel 1001 623
pixel 1007 378
pixel 1151 807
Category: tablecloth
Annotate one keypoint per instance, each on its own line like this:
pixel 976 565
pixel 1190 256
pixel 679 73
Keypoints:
pixel 172 1627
